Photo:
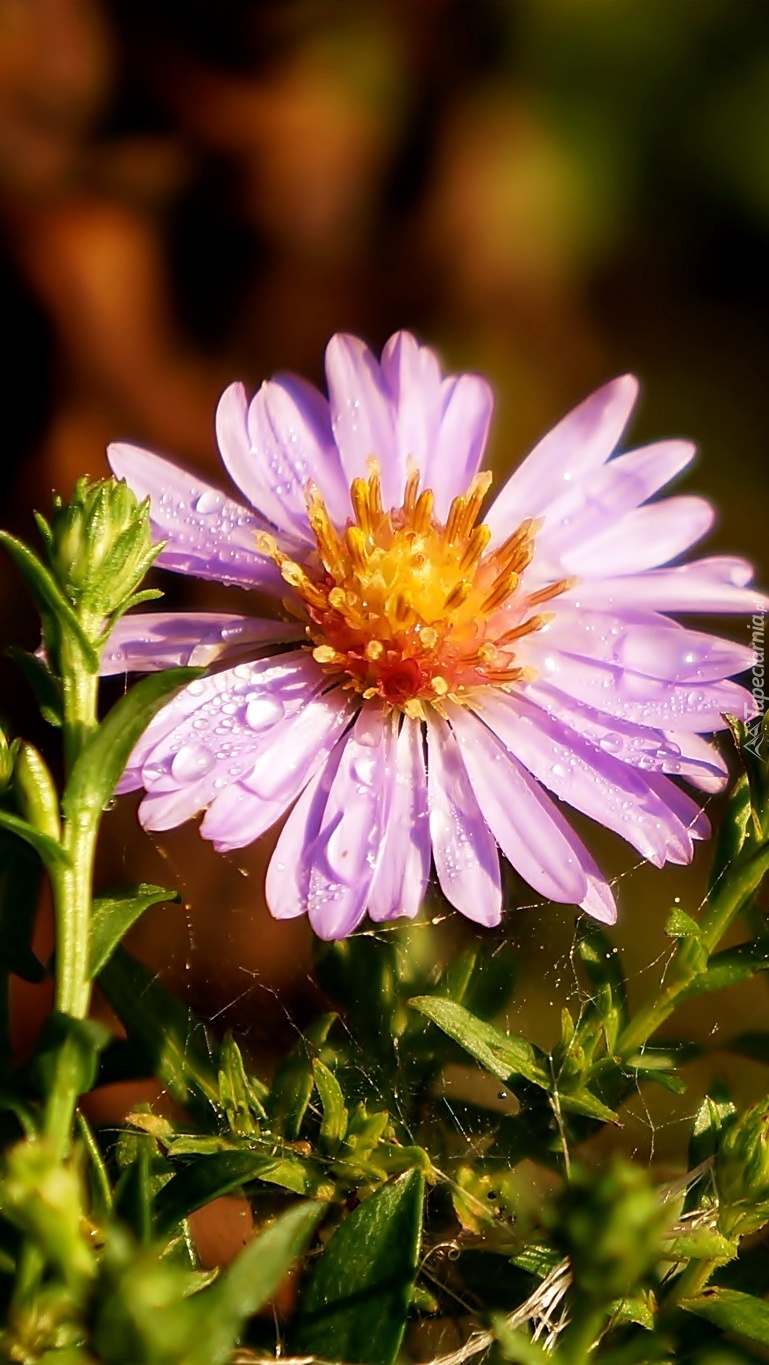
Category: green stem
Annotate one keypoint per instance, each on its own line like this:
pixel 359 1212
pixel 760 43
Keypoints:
pixel 691 1281
pixel 720 913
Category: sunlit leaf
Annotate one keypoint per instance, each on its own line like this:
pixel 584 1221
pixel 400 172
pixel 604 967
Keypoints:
pixel 503 1054
pixel 113 915
pixel 211 1176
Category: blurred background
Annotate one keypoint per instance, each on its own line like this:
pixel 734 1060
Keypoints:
pixel 549 191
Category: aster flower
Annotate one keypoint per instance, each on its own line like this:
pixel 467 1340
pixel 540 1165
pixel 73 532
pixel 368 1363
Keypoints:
pixel 438 675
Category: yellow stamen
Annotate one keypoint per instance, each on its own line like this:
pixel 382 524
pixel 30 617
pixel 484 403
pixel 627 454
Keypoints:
pixel 399 606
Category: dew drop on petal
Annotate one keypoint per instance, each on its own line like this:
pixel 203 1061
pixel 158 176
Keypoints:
pixel 364 769
pixel 191 762
pixel 263 711
pixel 208 501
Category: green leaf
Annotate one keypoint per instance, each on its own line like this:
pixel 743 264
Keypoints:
pixel 730 967
pixel 250 1282
pixel 210 1176
pixel 716 1109
pixel 113 915
pixel 732 830
pixel 294 1080
pixel 44 684
pixel 584 1103
pixel 681 925
pixel 702 1244
pixel 732 1311
pixel 603 968
pixel 133 1196
pixel 503 1054
pixel 357 1298
pixel 334 1123
pixel 638 1309
pixel 173 1040
pixel 49 849
pixel 101 761
pixel 538 1259
pixel 20 874
pixel 68 1045
pixel 48 595
pixel 241 1097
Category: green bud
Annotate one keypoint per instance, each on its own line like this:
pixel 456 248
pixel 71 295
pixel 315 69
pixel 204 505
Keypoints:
pixel 609 1222
pixel 44 1197
pixel 101 545
pixel 35 791
pixel 742 1172
pixel 7 756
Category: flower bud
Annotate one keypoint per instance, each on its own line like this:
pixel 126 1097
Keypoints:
pixel 742 1171
pixel 101 545
pixel 35 791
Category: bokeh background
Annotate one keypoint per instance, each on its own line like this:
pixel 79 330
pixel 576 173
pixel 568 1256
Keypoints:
pixel 550 191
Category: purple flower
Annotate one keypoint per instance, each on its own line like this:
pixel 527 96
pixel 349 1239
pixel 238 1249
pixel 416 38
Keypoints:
pixel 435 677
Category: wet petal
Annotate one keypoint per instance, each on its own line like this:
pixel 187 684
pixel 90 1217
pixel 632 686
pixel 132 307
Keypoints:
pixel 143 643
pixel 464 848
pixel 581 442
pixel 713 585
pixel 207 534
pixel 403 870
pixel 362 415
pixel 645 643
pixel 589 778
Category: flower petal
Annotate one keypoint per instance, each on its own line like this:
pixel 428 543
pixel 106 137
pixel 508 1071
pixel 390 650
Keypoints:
pixel 713 585
pixel 468 404
pixel 646 643
pixel 464 849
pixel 588 778
pixel 403 869
pixel 292 752
pixel 207 534
pixel 582 441
pixel 583 509
pixel 143 643
pixel 336 835
pixel 292 445
pixel 530 830
pixel 645 538
pixel 362 415
pixel 632 697
pixel 211 733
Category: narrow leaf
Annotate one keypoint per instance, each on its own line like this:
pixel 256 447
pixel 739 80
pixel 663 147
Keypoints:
pixel 582 1102
pixel 50 851
pixel 334 1123
pixel 733 1311
pixel 357 1299
pixel 730 967
pixel 250 1282
pixel 100 763
pixel 503 1054
pixel 113 915
pixel 210 1176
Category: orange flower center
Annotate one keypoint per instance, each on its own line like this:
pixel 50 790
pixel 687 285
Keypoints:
pixel 411 609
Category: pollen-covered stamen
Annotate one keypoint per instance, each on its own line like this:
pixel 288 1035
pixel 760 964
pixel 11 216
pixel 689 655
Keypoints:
pixel 401 606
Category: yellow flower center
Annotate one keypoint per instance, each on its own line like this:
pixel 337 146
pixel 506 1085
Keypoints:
pixel 411 609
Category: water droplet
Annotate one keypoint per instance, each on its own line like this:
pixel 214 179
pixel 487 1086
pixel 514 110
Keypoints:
pixel 196 688
pixel 208 501
pixel 364 769
pixel 611 744
pixel 191 762
pixel 264 711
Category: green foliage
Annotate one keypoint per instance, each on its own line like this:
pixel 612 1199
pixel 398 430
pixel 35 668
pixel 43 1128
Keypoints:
pixel 392 1184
